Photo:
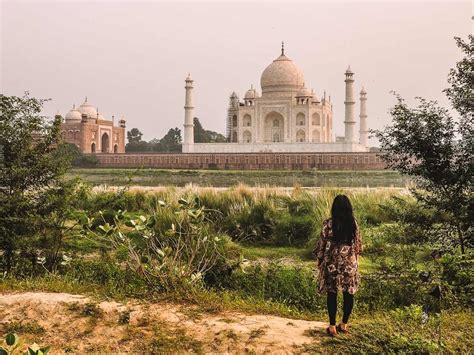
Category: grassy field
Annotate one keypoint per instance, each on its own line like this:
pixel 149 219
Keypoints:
pixel 221 178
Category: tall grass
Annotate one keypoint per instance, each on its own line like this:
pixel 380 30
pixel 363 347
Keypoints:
pixel 288 216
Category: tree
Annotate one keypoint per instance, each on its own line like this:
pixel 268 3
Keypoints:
pixel 134 135
pixel 78 159
pixel 135 143
pixel 436 150
pixel 202 135
pixel 30 168
pixel 171 141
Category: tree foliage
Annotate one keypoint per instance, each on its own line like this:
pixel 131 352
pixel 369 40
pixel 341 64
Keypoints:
pixel 202 135
pixel 436 150
pixel 134 135
pixel 78 159
pixel 30 168
pixel 171 141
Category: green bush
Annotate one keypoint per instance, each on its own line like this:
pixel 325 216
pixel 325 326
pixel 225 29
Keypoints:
pixel 107 274
pixel 294 287
pixel 458 279
pixel 291 230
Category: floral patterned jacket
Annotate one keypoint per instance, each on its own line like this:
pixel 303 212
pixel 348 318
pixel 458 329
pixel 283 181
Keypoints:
pixel 338 263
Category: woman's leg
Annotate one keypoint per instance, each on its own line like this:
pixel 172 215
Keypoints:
pixel 332 307
pixel 347 306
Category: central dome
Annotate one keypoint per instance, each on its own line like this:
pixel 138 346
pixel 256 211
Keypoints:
pixel 87 109
pixel 282 77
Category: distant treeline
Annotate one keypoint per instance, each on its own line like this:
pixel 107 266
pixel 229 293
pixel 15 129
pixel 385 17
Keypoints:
pixel 171 141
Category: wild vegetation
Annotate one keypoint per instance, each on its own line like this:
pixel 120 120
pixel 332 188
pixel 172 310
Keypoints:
pixel 249 249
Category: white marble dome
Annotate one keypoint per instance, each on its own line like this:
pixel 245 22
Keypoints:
pixel 251 93
pixel 304 92
pixel 88 110
pixel 73 115
pixel 281 76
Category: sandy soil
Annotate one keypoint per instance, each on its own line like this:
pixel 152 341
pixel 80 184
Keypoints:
pixel 74 323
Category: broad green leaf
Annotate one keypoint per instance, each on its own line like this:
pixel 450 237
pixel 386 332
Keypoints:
pixel 11 339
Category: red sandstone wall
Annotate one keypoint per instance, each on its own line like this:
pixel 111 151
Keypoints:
pixel 245 161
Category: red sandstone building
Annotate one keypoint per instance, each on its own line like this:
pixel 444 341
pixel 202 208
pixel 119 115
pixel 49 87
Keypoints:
pixel 91 132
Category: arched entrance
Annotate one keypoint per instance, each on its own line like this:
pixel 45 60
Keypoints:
pixel 115 148
pixel 105 142
pixel 247 136
pixel 274 125
pixel 300 136
pixel 93 148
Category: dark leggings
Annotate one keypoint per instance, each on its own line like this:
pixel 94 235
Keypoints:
pixel 332 306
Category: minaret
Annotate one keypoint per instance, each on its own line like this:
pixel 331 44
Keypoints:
pixel 349 121
pixel 363 132
pixel 188 140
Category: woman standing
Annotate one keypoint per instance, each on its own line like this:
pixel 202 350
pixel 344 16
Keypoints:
pixel 337 254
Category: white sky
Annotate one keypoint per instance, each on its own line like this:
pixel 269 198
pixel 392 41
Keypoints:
pixel 131 58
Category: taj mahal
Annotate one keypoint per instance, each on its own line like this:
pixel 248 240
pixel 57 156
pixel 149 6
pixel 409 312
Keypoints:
pixel 286 117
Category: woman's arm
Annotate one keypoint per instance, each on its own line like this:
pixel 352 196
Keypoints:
pixel 321 245
pixel 358 240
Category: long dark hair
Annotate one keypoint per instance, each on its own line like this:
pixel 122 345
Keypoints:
pixel 343 222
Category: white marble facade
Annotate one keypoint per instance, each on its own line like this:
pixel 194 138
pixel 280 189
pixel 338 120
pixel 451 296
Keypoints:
pixel 285 117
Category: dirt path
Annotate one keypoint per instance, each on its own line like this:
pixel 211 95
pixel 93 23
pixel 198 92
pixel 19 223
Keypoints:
pixel 74 323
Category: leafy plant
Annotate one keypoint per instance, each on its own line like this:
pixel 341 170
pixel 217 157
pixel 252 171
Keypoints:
pixel 12 345
pixel 169 254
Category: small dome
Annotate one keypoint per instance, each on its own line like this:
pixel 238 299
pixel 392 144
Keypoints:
pixel 281 76
pixel 251 93
pixel 304 92
pixel 73 115
pixel 88 110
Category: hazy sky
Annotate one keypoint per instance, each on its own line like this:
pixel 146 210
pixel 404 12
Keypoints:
pixel 131 58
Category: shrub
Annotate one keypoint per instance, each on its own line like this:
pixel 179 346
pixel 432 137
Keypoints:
pixel 173 249
pixel 295 287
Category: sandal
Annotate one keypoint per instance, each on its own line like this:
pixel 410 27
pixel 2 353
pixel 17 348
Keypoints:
pixel 339 329
pixel 329 332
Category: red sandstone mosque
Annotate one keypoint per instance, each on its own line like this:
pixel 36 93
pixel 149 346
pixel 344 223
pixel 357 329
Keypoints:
pixel 91 132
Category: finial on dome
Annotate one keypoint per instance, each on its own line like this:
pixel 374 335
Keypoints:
pixel 282 48
pixel 85 100
pixel 73 106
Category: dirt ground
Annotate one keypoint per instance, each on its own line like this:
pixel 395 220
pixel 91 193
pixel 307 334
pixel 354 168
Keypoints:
pixel 74 323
